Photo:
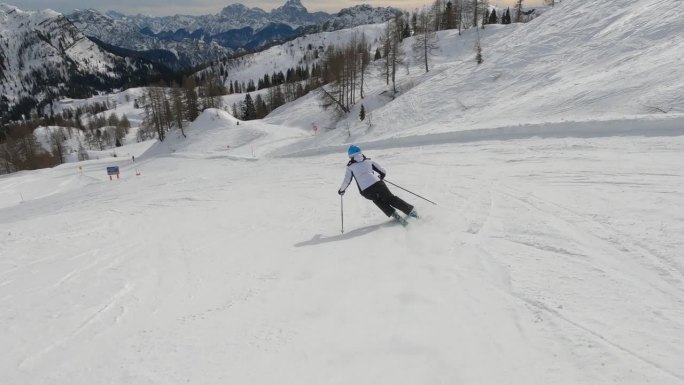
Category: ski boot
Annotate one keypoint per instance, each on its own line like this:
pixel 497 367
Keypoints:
pixel 399 218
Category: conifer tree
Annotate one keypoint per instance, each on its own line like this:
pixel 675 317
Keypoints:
pixel 261 110
pixel 192 107
pixel 113 120
pixel 406 31
pixel 493 19
pixel 449 16
pixel 248 109
pixel 124 123
pixel 178 107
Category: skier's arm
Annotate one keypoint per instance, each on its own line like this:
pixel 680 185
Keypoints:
pixel 347 180
pixel 377 168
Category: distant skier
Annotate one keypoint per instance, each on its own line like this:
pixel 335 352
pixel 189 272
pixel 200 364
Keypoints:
pixel 371 186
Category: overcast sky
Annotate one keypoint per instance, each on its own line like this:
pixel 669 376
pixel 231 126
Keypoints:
pixel 203 7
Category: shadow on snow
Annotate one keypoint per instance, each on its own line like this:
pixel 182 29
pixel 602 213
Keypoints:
pixel 319 239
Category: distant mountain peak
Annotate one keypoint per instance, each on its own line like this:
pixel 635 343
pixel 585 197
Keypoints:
pixel 294 4
pixel 291 8
pixel 239 9
pixel 236 6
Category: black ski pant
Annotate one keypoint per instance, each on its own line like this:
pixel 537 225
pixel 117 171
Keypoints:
pixel 385 200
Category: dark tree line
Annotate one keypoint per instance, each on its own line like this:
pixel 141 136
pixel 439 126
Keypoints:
pixel 258 107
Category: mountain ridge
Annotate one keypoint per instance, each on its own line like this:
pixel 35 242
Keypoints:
pixel 43 56
pixel 236 28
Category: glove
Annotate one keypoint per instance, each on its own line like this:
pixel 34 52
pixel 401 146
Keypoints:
pixel 381 176
pixel 341 192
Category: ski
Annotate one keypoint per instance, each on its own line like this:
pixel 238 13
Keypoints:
pixel 400 219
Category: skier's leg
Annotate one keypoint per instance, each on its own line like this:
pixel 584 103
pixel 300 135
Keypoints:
pixel 401 205
pixel 393 200
pixel 384 206
pixel 374 193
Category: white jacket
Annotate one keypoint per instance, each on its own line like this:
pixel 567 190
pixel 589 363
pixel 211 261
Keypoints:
pixel 363 170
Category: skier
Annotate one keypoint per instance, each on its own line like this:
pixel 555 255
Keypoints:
pixel 372 187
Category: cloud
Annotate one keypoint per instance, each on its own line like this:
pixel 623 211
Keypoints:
pixel 204 7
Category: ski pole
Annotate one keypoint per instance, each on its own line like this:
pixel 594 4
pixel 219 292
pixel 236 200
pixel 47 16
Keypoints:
pixel 411 192
pixel 342 211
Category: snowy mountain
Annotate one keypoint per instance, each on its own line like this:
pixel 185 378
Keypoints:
pixel 181 53
pixel 234 16
pixel 295 14
pixel 303 50
pixel 44 56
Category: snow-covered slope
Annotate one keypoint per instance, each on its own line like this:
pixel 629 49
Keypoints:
pixel 594 60
pixel 546 261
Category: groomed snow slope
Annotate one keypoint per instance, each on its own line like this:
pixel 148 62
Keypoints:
pixel 547 261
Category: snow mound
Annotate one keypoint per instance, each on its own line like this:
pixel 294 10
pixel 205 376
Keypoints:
pixel 217 134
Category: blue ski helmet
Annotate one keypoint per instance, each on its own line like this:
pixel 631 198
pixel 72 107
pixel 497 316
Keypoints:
pixel 353 150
